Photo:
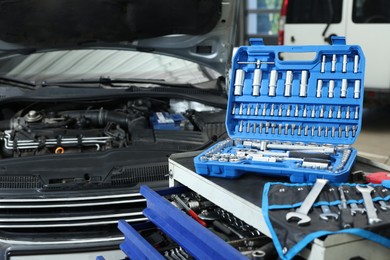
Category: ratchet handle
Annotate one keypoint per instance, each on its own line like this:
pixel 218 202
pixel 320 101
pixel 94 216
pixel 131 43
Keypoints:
pixel 195 216
pixel 189 210
pixel 310 155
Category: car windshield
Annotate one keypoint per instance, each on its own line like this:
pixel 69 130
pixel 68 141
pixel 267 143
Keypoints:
pixel 95 63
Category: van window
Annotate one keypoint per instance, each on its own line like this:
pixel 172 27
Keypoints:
pixel 371 11
pixel 314 11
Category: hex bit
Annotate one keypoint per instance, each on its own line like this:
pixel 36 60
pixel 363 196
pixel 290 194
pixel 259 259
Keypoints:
pixel 333 131
pixel 264 110
pixel 306 131
pixel 286 129
pixel 273 126
pixel 326 131
pixel 347 115
pixel 296 113
pixel 312 131
pixel 248 110
pixel 261 125
pixel 248 127
pixel 354 129
pixel 313 111
pixel 339 112
pixel 322 111
pixel 234 109
pixel 330 112
pixel 257 109
pixel 254 127
pixel 267 125
pixel 293 129
pixel 288 111
pixel 299 132
pixel 240 128
pixel 240 111
pixel 280 110
pixel 304 113
pixel 347 131
pixel 280 126
pixel 319 131
pixel 271 113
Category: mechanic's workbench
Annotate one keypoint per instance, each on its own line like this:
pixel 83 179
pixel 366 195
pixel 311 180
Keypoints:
pixel 243 197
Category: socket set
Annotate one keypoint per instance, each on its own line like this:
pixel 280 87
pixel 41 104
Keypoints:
pixel 295 118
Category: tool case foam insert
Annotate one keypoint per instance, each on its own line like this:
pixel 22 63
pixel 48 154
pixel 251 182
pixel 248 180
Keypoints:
pixel 294 118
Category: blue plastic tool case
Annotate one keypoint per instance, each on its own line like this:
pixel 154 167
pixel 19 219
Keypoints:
pixel 295 118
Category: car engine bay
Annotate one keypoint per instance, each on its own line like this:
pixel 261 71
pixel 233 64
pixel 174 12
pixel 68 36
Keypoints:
pixel 33 129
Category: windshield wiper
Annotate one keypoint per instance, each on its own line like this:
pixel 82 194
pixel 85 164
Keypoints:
pixel 107 82
pixel 22 83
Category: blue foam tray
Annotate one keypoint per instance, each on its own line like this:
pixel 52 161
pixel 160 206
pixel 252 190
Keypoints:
pixel 316 103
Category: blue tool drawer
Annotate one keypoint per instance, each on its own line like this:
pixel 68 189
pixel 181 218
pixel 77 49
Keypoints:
pixel 295 118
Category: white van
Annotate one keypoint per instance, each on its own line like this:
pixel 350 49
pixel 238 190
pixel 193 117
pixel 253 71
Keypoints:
pixel 362 22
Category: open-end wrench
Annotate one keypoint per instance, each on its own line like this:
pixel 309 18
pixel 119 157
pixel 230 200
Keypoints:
pixel 327 213
pixel 369 204
pixel 355 208
pixel 384 205
pixel 303 210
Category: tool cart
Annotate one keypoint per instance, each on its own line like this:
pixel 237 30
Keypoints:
pixel 285 168
pixel 243 197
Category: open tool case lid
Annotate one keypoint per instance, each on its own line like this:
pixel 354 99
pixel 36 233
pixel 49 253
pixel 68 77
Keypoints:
pixel 318 100
pixel 293 118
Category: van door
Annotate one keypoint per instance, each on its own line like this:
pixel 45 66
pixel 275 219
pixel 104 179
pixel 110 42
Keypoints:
pixel 368 24
pixel 313 21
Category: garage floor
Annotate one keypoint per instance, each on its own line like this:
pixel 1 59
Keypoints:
pixel 374 139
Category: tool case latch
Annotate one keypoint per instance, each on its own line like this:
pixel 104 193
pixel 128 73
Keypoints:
pixel 338 40
pixel 256 41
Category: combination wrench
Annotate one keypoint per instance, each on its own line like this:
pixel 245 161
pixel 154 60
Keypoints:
pixel 327 213
pixel 369 204
pixel 303 210
pixel 355 208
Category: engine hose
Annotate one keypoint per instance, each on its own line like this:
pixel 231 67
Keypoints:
pixel 67 122
pixel 100 117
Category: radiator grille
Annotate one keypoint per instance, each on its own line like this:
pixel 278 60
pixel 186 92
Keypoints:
pixel 20 182
pixel 66 212
pixel 150 173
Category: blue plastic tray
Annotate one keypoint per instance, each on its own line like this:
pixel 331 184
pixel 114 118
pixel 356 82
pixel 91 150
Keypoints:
pixel 294 118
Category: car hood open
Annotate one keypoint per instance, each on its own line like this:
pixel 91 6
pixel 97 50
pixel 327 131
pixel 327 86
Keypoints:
pixel 198 30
